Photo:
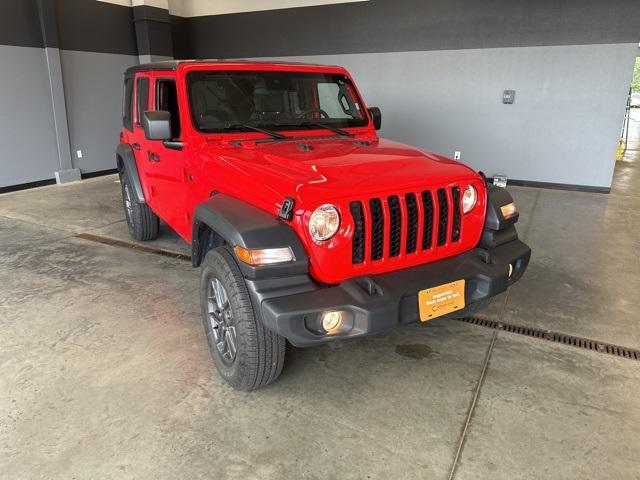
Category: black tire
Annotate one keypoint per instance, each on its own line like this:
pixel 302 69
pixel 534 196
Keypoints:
pixel 259 353
pixel 142 222
pixel 472 309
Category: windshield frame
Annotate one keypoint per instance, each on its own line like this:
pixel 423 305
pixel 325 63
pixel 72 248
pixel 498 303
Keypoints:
pixel 286 124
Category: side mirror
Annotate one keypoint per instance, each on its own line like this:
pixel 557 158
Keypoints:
pixel 157 125
pixel 376 116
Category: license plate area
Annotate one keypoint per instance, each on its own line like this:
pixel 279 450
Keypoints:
pixel 440 300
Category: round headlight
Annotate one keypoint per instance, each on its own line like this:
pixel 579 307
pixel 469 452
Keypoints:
pixel 469 199
pixel 324 222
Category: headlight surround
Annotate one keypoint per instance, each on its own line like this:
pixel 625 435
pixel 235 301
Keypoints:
pixel 469 198
pixel 324 222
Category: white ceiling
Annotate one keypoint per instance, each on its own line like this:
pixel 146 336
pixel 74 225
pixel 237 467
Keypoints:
pixel 197 8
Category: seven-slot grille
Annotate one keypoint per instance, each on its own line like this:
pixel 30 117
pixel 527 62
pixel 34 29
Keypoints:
pixel 388 226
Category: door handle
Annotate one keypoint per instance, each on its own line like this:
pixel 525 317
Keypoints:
pixel 154 157
pixel 135 146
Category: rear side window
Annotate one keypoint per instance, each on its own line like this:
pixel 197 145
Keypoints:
pixel 127 104
pixel 142 98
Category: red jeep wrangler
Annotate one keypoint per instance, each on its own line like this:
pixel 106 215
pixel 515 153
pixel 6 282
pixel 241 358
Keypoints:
pixel 308 227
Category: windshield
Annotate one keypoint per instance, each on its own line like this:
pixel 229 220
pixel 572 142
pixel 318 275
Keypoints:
pixel 230 100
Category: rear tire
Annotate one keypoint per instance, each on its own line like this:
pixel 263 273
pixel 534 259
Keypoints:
pixel 142 222
pixel 247 355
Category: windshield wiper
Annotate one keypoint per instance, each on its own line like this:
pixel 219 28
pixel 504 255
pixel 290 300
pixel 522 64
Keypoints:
pixel 339 131
pixel 271 133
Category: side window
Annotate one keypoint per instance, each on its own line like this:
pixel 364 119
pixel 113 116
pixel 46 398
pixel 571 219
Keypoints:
pixel 142 98
pixel 167 99
pixel 127 104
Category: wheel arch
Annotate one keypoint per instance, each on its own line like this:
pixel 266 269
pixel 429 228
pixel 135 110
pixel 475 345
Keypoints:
pixel 126 163
pixel 223 219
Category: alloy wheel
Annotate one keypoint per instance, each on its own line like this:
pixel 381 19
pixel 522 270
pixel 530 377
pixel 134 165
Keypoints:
pixel 221 320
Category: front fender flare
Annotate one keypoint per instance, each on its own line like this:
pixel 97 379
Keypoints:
pixel 240 224
pixel 497 229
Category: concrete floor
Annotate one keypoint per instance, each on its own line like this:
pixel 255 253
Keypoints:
pixel 105 373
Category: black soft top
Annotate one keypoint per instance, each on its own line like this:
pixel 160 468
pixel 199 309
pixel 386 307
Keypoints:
pixel 174 64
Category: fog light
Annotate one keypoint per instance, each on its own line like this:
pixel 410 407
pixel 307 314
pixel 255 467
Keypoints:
pixel 510 269
pixel 331 321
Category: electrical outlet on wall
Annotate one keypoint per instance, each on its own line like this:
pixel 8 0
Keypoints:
pixel 457 155
pixel 79 153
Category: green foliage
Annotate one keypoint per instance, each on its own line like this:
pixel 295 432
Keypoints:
pixel 635 83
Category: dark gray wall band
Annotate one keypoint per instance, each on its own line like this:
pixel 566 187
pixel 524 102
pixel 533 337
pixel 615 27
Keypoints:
pixel 412 25
pixel 91 26
pixel 153 31
pixel 363 27
pixel 47 16
pixel 82 25
pixel 181 37
pixel 85 25
pixel 19 24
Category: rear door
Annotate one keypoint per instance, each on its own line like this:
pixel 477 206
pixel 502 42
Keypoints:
pixel 137 140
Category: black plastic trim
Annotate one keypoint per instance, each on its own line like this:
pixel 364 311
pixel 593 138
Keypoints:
pixel 496 198
pixel 380 302
pixel 241 224
pixel 129 168
pixel 556 186
pixel 171 65
pixel 495 238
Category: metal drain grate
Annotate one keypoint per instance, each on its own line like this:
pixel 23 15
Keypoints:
pixel 132 246
pixel 556 337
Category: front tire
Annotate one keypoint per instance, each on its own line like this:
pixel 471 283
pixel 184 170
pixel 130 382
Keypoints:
pixel 142 222
pixel 247 355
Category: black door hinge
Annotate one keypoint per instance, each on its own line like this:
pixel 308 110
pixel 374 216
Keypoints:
pixel 286 210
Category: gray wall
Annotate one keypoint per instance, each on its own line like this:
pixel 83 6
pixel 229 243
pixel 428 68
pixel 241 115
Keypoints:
pixel 97 43
pixel 27 139
pixel 93 82
pixel 562 128
pixel 438 68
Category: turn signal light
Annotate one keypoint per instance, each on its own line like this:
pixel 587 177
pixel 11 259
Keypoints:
pixel 264 256
pixel 508 210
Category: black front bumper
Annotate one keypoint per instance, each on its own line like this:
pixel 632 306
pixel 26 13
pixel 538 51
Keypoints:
pixel 380 302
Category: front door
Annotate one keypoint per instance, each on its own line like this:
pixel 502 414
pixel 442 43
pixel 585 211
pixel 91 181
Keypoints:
pixel 170 173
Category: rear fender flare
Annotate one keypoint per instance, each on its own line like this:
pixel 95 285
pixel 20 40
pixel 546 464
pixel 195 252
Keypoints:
pixel 127 167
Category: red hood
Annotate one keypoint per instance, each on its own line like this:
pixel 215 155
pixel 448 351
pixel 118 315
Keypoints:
pixel 324 169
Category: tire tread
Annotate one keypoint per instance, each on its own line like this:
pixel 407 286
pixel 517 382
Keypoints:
pixel 144 225
pixel 264 351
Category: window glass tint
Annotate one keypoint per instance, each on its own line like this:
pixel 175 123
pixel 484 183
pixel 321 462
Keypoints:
pixel 142 98
pixel 221 100
pixel 127 104
pixel 167 99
